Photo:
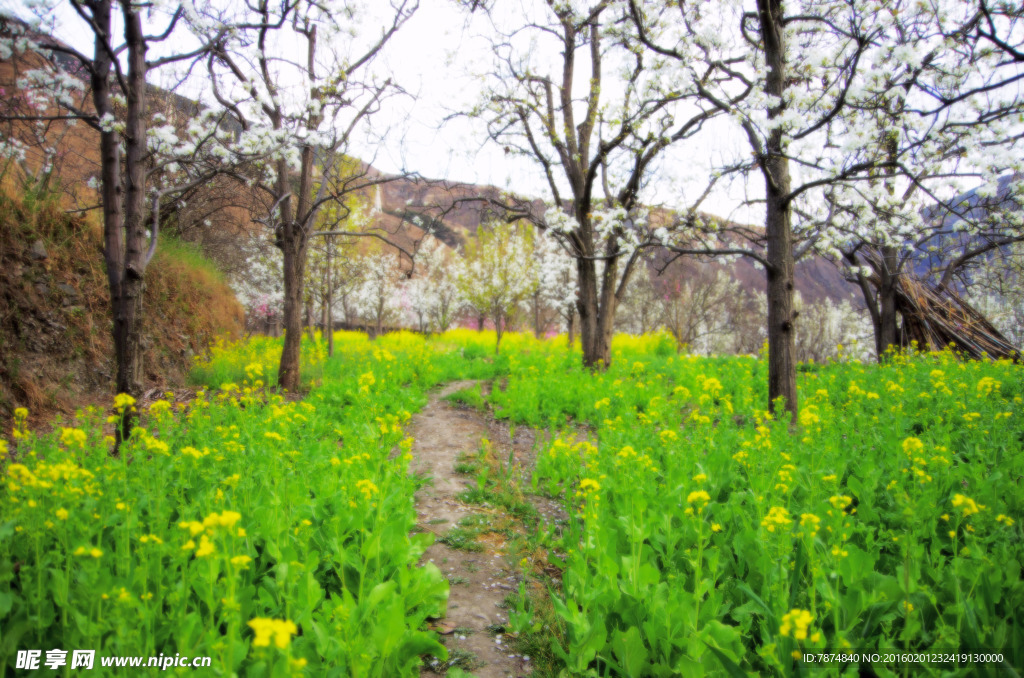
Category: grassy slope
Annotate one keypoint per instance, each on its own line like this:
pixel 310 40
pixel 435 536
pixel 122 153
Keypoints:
pixel 55 343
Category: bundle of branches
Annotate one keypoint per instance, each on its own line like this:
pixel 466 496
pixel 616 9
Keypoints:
pixel 937 317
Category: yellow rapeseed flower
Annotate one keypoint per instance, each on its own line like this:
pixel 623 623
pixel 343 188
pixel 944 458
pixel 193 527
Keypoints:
pixel 840 502
pixel 205 548
pixel 72 437
pixel 810 520
pixel 777 517
pixel 712 386
pixel 265 629
pixel 367 487
pixel 190 451
pixel 698 497
pixel 986 385
pixel 194 527
pixel 966 504
pixel 123 401
pixel 224 519
pixel 912 446
pixel 796 622
pixel 160 408
pixel 808 417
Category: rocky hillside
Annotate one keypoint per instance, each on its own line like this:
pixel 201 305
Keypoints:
pixel 456 212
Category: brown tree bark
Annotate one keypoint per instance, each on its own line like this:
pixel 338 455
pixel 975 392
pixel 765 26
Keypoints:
pixel 593 295
pixel 123 197
pixel 889 273
pixel 289 240
pixel 128 305
pixel 586 305
pixel 294 270
pixel 329 305
pixel 879 293
pixel 536 314
pixel 778 226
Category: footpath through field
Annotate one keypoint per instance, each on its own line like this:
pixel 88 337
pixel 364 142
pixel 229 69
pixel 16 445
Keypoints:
pixel 480 579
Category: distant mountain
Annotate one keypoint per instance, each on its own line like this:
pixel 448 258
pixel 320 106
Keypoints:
pixel 401 199
pixel 972 205
pixel 954 219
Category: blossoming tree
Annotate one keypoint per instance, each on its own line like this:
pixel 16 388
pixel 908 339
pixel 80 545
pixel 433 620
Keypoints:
pixel 828 96
pixel 141 163
pixel 569 94
pixel 497 279
pixel 315 105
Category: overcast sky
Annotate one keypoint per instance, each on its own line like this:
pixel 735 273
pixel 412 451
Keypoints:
pixel 435 57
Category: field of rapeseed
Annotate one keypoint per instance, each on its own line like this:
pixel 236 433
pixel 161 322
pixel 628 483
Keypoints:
pixel 708 538
pixel 705 537
pixel 270 534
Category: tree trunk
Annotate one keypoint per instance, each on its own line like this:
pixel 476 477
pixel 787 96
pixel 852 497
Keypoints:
pixel 536 314
pixel 594 339
pixel 597 299
pixel 293 239
pixel 123 203
pixel 288 372
pixel 480 323
pixel 778 228
pixel 308 323
pixel 886 334
pixel 571 323
pixel 329 322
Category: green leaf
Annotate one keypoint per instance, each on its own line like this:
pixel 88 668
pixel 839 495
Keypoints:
pixel 769 615
pixel 630 651
pixel 379 593
pixel 731 667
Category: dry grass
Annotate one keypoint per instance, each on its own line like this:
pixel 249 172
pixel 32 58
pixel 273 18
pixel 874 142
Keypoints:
pixel 55 343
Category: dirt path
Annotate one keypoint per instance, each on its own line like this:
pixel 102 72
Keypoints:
pixel 480 579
